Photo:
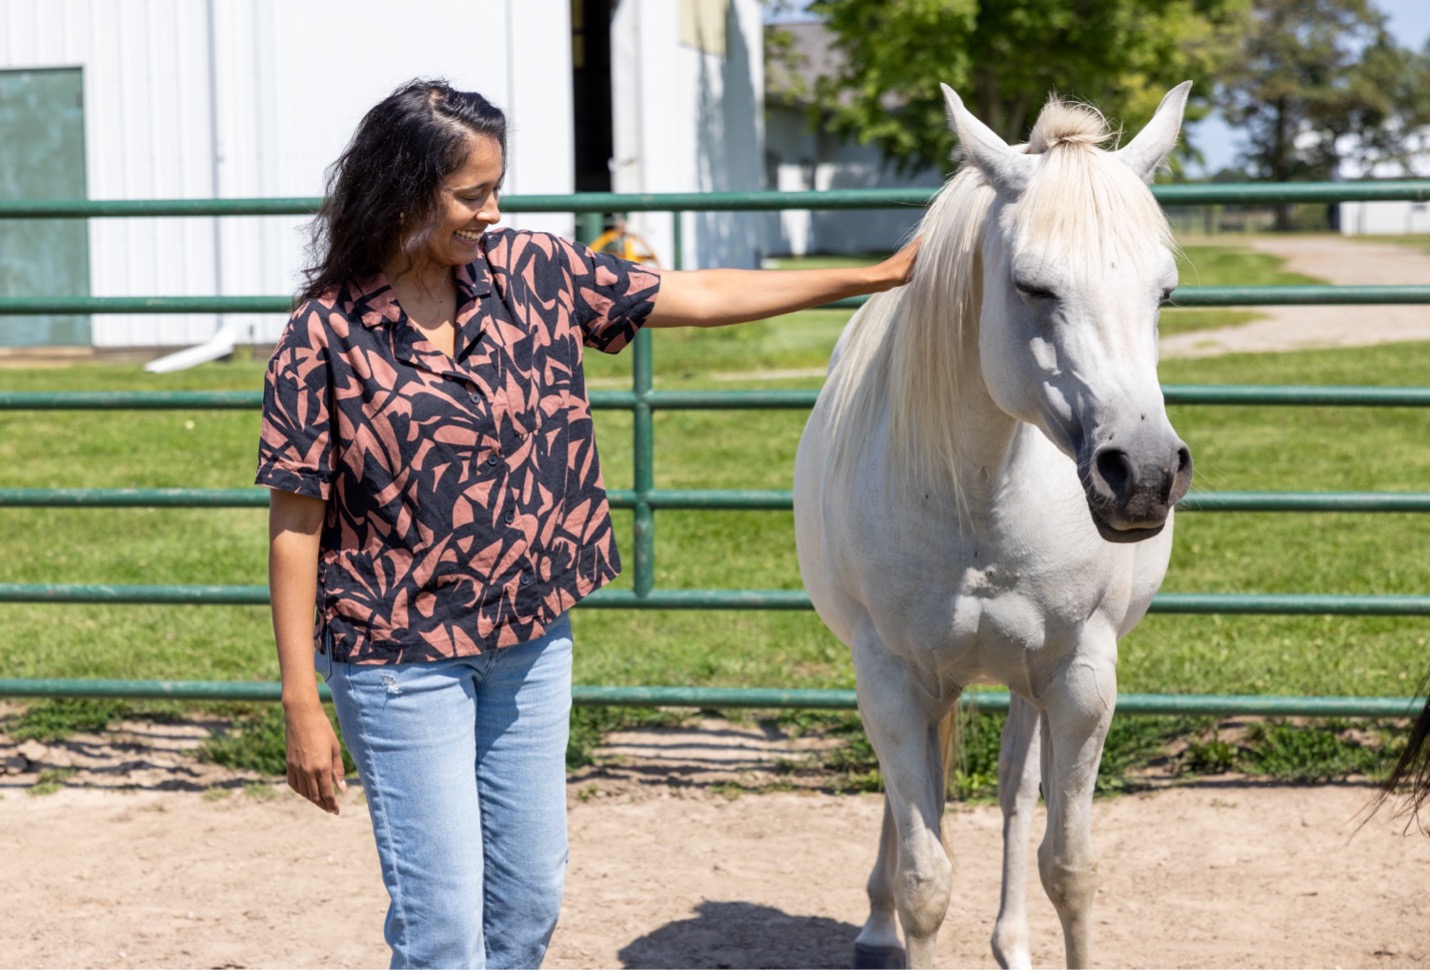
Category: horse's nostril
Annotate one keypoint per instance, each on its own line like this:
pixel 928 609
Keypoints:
pixel 1184 459
pixel 1115 469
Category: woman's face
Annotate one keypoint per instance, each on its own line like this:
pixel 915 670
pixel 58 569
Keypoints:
pixel 466 205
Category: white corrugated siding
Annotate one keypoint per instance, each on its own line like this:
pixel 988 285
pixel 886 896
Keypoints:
pixel 255 99
pixel 689 119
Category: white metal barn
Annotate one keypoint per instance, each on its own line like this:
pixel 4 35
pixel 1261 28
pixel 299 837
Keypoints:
pixel 161 99
pixel 798 159
pixel 1387 217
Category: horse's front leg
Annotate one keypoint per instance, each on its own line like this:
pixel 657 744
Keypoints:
pixel 902 722
pixel 878 946
pixel 1078 706
pixel 1019 772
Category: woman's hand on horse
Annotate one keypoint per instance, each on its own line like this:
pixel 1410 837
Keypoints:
pixel 899 269
pixel 315 758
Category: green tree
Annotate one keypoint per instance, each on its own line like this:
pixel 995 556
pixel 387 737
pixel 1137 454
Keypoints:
pixel 1004 57
pixel 1307 73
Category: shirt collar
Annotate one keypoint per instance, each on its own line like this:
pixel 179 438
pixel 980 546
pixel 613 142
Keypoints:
pixel 374 303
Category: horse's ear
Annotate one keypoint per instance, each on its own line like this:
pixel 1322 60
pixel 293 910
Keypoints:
pixel 1006 169
pixel 1146 153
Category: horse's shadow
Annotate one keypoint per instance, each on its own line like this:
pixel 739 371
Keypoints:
pixel 743 936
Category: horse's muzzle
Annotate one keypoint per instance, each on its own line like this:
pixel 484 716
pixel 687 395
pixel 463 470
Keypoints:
pixel 1130 493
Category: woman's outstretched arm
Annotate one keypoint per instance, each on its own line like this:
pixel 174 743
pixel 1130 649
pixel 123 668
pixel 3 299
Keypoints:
pixel 727 296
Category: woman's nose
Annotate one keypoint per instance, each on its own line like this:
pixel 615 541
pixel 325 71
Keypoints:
pixel 491 210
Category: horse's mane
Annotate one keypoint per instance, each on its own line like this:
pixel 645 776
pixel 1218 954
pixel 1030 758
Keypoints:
pixel 1081 207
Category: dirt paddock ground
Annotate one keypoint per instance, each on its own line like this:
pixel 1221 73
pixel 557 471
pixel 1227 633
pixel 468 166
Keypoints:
pixel 689 849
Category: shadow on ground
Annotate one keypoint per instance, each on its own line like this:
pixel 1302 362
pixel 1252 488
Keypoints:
pixel 743 936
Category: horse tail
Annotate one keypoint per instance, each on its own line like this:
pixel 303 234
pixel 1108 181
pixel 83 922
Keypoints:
pixel 948 754
pixel 1413 768
pixel 1412 771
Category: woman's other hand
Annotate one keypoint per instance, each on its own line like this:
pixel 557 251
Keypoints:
pixel 315 758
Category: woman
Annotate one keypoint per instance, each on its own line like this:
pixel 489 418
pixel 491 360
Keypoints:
pixel 436 495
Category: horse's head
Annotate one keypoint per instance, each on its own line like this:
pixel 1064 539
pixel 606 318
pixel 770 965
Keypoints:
pixel 1076 261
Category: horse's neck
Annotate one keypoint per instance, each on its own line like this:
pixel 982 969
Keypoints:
pixel 990 435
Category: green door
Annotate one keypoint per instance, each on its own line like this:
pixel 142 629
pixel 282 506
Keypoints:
pixel 42 158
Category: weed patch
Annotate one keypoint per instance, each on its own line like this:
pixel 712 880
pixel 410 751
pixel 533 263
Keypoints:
pixel 55 720
pixel 51 780
pixel 1299 752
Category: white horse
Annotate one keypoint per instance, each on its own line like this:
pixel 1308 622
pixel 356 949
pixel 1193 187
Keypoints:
pixel 984 492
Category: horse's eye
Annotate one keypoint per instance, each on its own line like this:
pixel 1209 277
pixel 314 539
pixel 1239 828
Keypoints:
pixel 1167 294
pixel 1034 292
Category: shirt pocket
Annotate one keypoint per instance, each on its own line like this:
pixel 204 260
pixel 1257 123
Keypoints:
pixel 550 407
pixel 350 587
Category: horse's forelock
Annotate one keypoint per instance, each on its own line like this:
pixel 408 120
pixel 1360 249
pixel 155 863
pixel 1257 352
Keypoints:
pixel 1083 201
pixel 1067 123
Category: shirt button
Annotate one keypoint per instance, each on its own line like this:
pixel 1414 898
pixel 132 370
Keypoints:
pixel 475 397
pixel 526 576
pixel 493 459
pixel 509 517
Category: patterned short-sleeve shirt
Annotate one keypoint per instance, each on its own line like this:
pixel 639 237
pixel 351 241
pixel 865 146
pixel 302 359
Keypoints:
pixel 465 506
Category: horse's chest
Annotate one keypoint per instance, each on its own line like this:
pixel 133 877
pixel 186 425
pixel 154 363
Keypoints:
pixel 999 618
pixel 1018 603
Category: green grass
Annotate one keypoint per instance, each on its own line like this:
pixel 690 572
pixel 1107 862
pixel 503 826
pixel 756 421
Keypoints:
pixel 1235 449
pixel 1205 265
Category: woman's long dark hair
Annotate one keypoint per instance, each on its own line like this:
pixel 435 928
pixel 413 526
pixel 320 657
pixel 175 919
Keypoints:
pixel 382 192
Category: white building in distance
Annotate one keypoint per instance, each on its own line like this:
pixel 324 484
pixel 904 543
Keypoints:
pixel 1389 217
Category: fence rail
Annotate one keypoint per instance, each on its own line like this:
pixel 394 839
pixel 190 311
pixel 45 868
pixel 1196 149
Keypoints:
pixel 1202 194
pixel 1281 502
pixel 752 698
pixel 643 400
pixel 1187 297
pixel 1192 603
pixel 1177 395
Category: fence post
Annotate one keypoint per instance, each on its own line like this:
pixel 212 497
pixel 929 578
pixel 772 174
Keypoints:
pixel 644 430
pixel 592 225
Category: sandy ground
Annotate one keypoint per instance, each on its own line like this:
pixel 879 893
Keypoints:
pixel 1337 261
pixel 698 848
pixel 690 848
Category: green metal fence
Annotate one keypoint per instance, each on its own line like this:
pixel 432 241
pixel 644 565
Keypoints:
pixel 643 400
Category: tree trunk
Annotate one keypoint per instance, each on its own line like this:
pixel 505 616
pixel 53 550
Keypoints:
pixel 1280 165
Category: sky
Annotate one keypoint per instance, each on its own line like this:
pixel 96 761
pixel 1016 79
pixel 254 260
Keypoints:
pixel 1409 23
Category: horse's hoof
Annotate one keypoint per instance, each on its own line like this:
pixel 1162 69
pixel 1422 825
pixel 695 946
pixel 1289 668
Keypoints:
pixel 879 958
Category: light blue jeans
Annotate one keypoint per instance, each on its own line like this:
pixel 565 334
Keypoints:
pixel 464 765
